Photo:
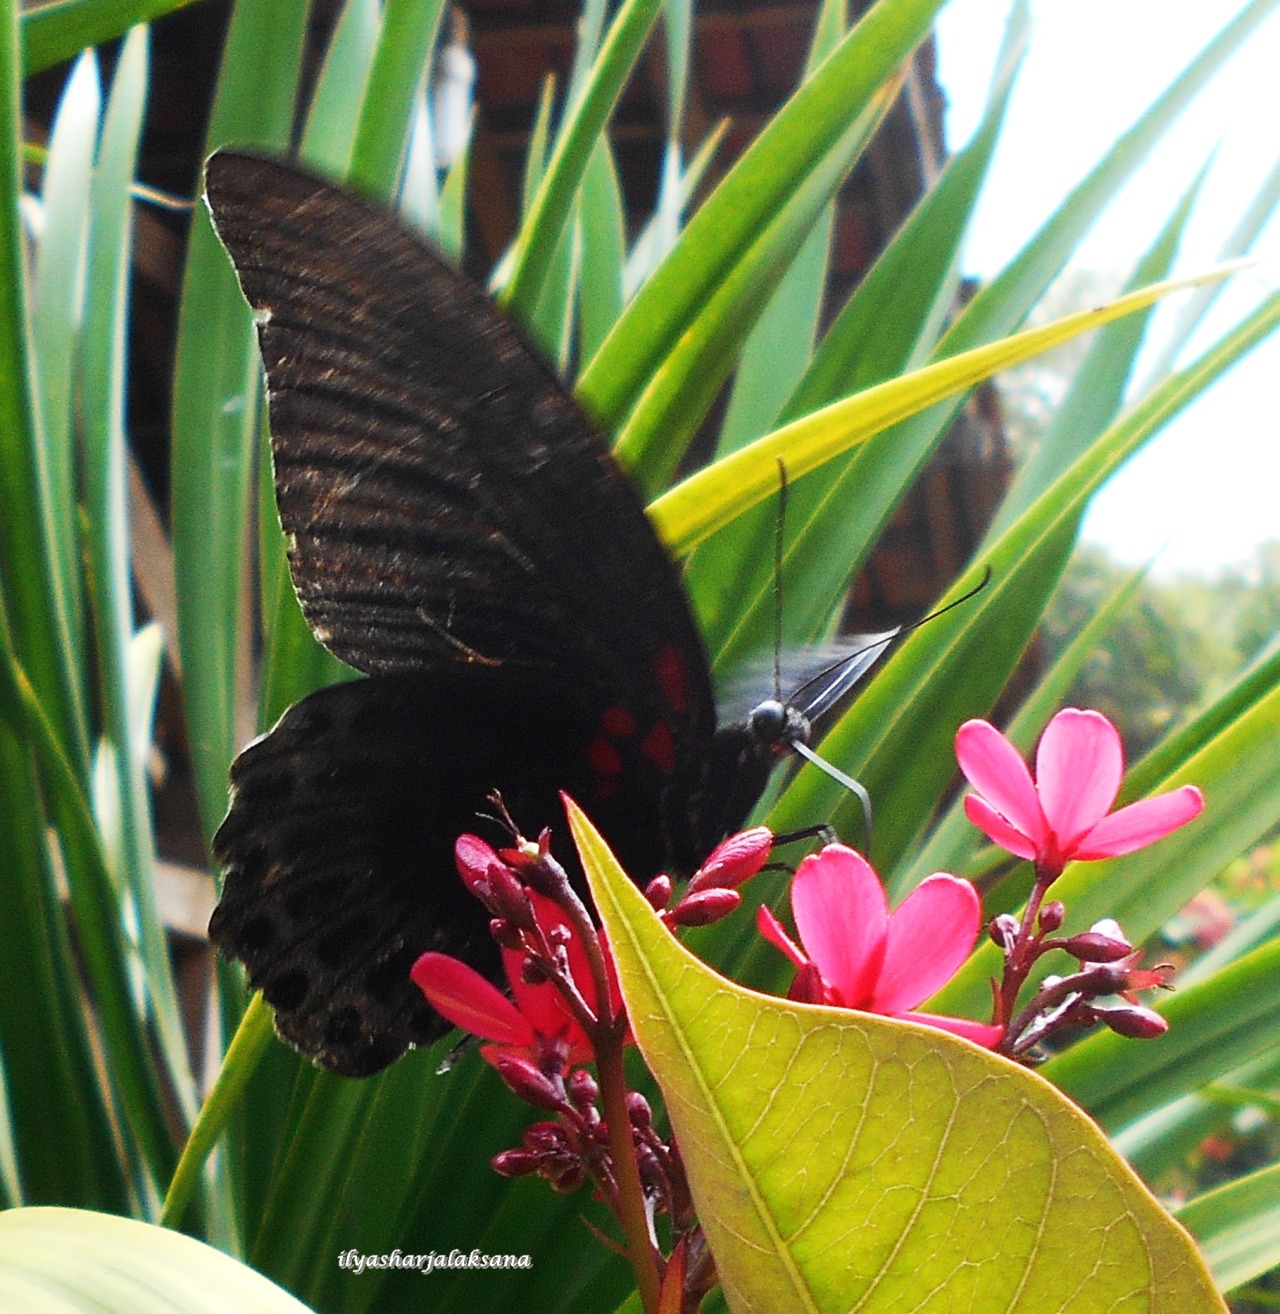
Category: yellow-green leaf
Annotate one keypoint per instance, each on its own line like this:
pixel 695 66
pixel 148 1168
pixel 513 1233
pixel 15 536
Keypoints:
pixel 59 1261
pixel 694 509
pixel 841 1161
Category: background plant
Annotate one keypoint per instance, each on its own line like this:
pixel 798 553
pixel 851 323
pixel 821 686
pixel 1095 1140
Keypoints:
pixel 98 1099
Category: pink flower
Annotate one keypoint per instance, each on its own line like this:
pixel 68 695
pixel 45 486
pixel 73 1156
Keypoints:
pixel 536 1021
pixel 858 955
pixel 1062 816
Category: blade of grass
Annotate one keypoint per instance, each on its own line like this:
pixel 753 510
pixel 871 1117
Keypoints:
pixel 56 312
pixel 409 29
pixel 28 534
pixel 799 139
pixel 681 394
pixel 54 33
pixel 584 122
pixel 216 388
pixel 875 337
pixel 1237 1225
pixel 61 1134
pixel 103 389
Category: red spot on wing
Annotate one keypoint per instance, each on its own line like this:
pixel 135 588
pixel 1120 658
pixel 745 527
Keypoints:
pixel 669 671
pixel 604 759
pixel 617 722
pixel 659 747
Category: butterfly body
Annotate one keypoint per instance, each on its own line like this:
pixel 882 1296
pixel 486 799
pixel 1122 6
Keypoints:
pixel 459 533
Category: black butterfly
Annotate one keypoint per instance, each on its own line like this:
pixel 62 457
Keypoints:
pixel 459 533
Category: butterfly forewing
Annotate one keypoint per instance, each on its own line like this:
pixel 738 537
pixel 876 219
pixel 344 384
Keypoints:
pixel 445 498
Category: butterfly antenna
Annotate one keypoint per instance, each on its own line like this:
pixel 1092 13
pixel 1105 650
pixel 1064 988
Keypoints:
pixel 851 667
pixel 779 537
pixel 829 680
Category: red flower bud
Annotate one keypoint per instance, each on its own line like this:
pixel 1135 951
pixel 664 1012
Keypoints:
pixel 658 892
pixel 1135 1022
pixel 1052 915
pixel 473 858
pixel 529 1083
pixel 734 860
pixel 1094 947
pixel 1003 930
pixel 507 898
pixel 516 1163
pixel 704 907
pixel 808 987
pixel 638 1110
pixel 583 1090
pixel 546 1138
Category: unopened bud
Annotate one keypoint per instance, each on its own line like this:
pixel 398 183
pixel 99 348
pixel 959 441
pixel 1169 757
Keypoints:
pixel 532 973
pixel 529 1082
pixel 1003 930
pixel 505 897
pixel 507 936
pixel 473 858
pixel 516 1163
pixel 651 1173
pixel 546 1138
pixel 1052 915
pixel 734 860
pixel 658 892
pixel 583 1090
pixel 1135 1022
pixel 638 1110
pixel 808 987
pixel 704 907
pixel 1095 947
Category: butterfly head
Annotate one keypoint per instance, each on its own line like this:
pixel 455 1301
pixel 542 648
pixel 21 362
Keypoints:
pixel 776 727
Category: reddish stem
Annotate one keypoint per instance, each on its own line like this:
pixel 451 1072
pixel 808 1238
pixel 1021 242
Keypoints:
pixel 632 1212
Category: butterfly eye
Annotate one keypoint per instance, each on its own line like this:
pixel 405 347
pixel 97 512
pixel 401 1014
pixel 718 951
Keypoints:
pixel 775 725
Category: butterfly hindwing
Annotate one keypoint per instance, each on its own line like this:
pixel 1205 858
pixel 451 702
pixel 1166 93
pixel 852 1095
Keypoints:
pixel 338 847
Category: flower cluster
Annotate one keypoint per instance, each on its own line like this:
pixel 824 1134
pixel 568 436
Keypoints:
pixel 851 951
pixel 1064 815
pixel 563 1011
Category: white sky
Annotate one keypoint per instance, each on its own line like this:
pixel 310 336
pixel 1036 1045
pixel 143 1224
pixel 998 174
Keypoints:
pixel 1207 489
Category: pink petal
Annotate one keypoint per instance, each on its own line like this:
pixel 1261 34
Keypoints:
pixel 1079 765
pixel 1140 824
pixel 996 770
pixel 980 1033
pixel 465 998
pixel 842 916
pixel 930 936
pixel 996 828
pixel 773 931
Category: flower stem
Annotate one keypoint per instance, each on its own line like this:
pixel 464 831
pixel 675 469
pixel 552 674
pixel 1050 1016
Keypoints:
pixel 632 1212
